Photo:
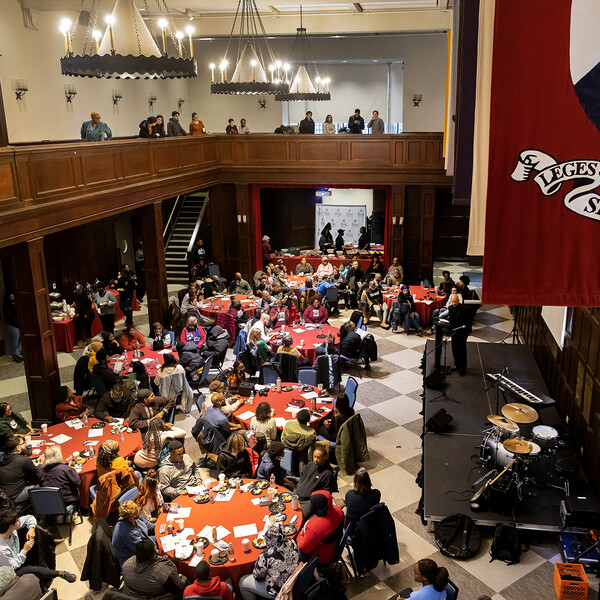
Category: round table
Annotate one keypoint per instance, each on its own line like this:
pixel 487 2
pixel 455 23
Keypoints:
pixel 279 402
pixel 130 445
pixel 309 336
pixel 426 301
pixel 220 304
pixel 149 359
pixel 234 513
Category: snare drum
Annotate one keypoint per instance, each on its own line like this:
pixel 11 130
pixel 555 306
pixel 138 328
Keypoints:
pixel 546 437
pixel 495 454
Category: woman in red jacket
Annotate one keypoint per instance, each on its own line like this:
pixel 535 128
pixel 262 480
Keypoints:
pixel 69 406
pixel 316 313
pixel 322 532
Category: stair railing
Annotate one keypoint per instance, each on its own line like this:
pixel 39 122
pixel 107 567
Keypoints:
pixel 198 221
pixel 168 230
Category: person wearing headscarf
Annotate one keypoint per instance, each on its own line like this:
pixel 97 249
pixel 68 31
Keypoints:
pixel 274 566
pixel 69 406
pixel 321 534
pixel 108 458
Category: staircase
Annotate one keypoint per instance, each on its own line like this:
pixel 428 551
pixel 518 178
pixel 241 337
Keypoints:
pixel 183 235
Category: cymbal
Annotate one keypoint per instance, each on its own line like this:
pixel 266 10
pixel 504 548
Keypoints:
pixel 520 413
pixel 517 446
pixel 503 423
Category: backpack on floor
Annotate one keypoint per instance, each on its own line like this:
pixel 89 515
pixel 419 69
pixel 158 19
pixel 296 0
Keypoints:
pixel 458 537
pixel 506 545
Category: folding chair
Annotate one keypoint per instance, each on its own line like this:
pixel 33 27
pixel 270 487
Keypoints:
pixel 451 591
pixel 351 363
pixel 200 402
pixel 307 377
pixel 305 579
pixel 269 374
pixel 49 501
pixel 350 390
pixel 129 493
pixel 345 545
pixel 205 371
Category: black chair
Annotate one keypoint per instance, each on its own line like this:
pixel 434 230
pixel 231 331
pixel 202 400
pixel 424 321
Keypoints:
pixel 268 373
pixel 329 372
pixel 97 384
pixel 451 591
pixel 305 579
pixel 345 544
pixel 350 363
pixel 205 371
pixel 49 501
pixel 332 296
pixel 289 366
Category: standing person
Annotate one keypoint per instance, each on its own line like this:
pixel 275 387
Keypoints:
pixel 160 126
pixel 95 130
pixel 148 128
pixel 364 241
pixel 266 250
pixel 356 123
pixel 199 252
pixel 105 302
pixel 231 127
pixel 339 241
pixel 197 126
pixel 243 127
pixel 460 324
pixel 376 124
pixel 307 125
pixel 12 326
pixel 326 239
pixel 84 317
pixel 328 126
pixel 126 285
pixel 140 270
pixel 174 128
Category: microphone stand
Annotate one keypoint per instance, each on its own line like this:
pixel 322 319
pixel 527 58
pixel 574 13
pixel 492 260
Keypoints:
pixel 444 369
pixel 496 382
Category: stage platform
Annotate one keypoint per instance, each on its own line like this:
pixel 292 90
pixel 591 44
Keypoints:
pixel 451 459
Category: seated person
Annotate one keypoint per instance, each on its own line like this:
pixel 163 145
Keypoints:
pixel 271 465
pixel 279 315
pixel 236 310
pixel 395 265
pixel 275 564
pixel 191 299
pixel 434 580
pixel 327 347
pixel 308 293
pixel 235 377
pixel 199 270
pixel 322 532
pixel 284 293
pixel 159 337
pixel 108 458
pixel 148 575
pixel 112 347
pixel 156 435
pixel 405 297
pixel 255 338
pixel 376 266
pixel 114 404
pixel 18 474
pixel 263 423
pixel 69 406
pixel 169 366
pixel 131 339
pixel 447 283
pixel 304 268
pixel 316 313
pixel 192 333
pixel 234 459
pixel 240 286
pixel 12 423
pixel 316 475
pixel 394 279
pixel 286 348
pixel 55 473
pixel 129 530
pixel 177 472
pixel 325 268
pixel 341 413
pixel 299 437
pixel 372 298
pixel 266 302
pixel 336 582
pixel 217 343
pixel 324 285
pixel 214 287
pixel 205 585
pixel 15 557
pixel 149 498
pixel 338 278
pixel 232 403
pixel 215 416
pixel 101 369
pixel 147 406
pixel 362 497
pixel 139 376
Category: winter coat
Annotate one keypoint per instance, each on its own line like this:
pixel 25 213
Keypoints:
pixel 66 411
pixel 314 479
pixel 278 561
pixel 140 414
pixel 351 445
pixel 234 465
pixel 320 535
pixel 216 343
pixel 109 486
pixel 375 539
pixel 214 587
pixel 101 564
pixel 191 360
pixel 208 436
pixel 108 407
pixel 65 478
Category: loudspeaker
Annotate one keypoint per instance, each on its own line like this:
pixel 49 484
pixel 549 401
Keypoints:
pixel 435 380
pixel 439 421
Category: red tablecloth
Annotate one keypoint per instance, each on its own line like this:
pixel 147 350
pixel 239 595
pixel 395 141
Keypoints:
pixel 309 337
pixel 130 445
pixel 290 263
pixel 419 295
pixel 222 304
pixel 279 401
pixel 64 331
pixel 236 512
pixel 148 353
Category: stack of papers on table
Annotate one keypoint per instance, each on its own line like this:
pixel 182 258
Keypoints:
pixel 324 400
pixel 245 530
pixel 245 415
pixel 75 423
pixel 224 496
pixel 280 421
pixel 62 438
pixel 206 532
pixel 310 395
pixel 94 433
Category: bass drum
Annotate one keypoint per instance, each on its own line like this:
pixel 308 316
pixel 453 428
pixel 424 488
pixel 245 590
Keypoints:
pixel 545 437
pixel 495 454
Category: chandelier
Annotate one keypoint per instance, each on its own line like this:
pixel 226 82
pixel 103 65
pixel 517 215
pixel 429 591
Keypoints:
pixel 249 73
pixel 306 84
pixel 126 49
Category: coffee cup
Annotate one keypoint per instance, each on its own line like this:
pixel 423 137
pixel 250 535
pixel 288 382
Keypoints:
pixel 28 439
pixel 214 554
pixel 222 477
pixel 302 342
pixel 246 545
pixel 295 502
pixel 75 455
pixel 180 524
pixel 320 386
pixel 272 492
pixel 44 428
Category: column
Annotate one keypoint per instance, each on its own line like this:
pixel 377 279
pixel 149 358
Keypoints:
pixel 397 224
pixel 245 233
pixel 33 312
pixel 157 295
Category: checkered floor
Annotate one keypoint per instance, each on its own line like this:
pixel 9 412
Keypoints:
pixel 389 402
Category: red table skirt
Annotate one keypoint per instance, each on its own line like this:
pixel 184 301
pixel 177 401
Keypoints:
pixel 309 337
pixel 147 351
pixel 290 263
pixel 222 304
pixel 237 511
pixel 130 445
pixel 419 295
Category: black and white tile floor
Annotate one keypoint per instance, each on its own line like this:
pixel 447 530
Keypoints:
pixel 389 403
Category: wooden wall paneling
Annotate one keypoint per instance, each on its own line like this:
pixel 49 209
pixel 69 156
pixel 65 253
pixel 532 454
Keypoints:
pixel 325 151
pixel 245 232
pixel 397 236
pixel 33 312
pixel 412 233
pixel 427 219
pixel 164 158
pixel 9 192
pixel 53 175
pixel 135 163
pixel 225 152
pixel 379 152
pixel 268 150
pixel 99 167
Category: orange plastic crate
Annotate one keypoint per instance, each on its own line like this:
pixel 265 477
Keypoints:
pixel 570 590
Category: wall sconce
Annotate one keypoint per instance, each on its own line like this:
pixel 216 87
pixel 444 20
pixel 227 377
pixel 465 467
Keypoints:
pixel 239 218
pixel 116 96
pixel 244 218
pixel 417 99
pixel 393 220
pixel 152 100
pixel 262 103
pixel 70 93
pixel 180 103
pixel 21 89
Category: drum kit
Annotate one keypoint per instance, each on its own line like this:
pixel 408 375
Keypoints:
pixel 512 445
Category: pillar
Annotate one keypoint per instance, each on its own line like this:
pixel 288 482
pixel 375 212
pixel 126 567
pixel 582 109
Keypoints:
pixel 33 312
pixel 245 232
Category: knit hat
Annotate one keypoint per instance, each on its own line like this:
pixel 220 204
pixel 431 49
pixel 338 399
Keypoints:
pixel 465 279
pixel 404 287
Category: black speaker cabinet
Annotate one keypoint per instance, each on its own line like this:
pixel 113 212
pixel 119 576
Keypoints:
pixel 439 421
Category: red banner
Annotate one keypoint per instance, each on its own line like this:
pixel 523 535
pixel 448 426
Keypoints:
pixel 542 235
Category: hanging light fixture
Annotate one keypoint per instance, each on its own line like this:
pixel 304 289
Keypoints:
pixel 126 49
pixel 306 84
pixel 254 53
